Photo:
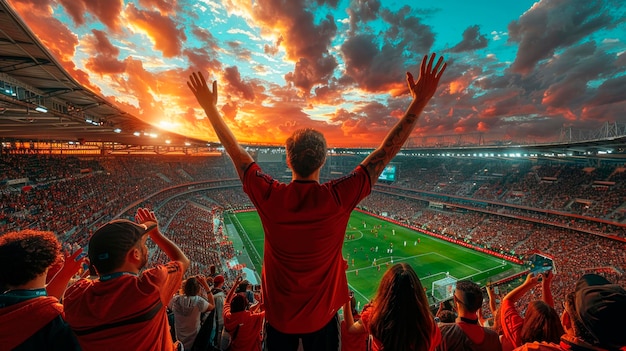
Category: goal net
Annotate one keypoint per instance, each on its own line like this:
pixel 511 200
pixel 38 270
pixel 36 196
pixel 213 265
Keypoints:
pixel 443 289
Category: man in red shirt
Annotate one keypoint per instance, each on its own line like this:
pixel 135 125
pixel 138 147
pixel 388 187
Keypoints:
pixel 124 308
pixel 466 333
pixel 303 277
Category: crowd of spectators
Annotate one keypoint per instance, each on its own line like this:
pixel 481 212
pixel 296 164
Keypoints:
pixel 72 196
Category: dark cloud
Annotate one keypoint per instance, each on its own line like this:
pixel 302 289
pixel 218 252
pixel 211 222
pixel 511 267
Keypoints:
pixel 270 50
pixel 203 59
pixel 240 51
pixel 103 59
pixel 362 11
pixel 307 74
pixel 232 76
pixel 205 37
pixel 371 68
pixel 472 40
pixel 553 24
pixel 331 3
pixel 305 39
pixel 611 91
pixel 378 63
pixel 407 31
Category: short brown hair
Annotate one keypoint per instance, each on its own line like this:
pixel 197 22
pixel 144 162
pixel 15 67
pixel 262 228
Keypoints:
pixel 306 151
pixel 191 286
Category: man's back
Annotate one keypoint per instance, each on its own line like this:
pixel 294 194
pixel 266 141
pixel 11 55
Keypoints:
pixel 124 310
pixel 304 282
pixel 468 338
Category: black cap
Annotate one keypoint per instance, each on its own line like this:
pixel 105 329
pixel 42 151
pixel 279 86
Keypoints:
pixel 109 245
pixel 601 307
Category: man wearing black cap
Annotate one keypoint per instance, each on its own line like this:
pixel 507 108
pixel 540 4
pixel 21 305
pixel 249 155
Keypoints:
pixel 123 308
pixel 593 318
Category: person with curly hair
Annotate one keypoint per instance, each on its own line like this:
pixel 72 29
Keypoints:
pixel 31 319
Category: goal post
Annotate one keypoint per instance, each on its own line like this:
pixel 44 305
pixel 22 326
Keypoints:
pixel 443 289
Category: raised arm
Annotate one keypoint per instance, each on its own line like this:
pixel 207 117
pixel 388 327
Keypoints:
pixel 422 91
pixel 208 100
pixel 492 299
pixel 352 326
pixel 531 281
pixel 172 250
pixel 71 264
pixel 210 299
pixel 231 292
pixel 546 291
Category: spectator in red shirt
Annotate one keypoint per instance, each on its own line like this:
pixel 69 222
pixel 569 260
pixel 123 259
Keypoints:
pixel 303 277
pixel 466 332
pixel 125 307
pixel 352 341
pixel 593 318
pixel 31 319
pixel 540 323
pixel 243 325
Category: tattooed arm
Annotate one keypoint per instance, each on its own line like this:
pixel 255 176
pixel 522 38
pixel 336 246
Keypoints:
pixel 422 92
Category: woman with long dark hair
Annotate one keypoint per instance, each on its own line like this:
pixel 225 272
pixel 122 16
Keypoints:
pixel 398 317
pixel 540 323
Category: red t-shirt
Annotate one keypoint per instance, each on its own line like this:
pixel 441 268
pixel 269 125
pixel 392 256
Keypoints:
pixel 93 303
pixel 304 280
pixel 248 337
pixel 22 320
pixel 512 324
pixel 366 315
pixel 352 341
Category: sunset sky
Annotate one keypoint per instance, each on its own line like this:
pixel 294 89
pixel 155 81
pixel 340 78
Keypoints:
pixel 517 69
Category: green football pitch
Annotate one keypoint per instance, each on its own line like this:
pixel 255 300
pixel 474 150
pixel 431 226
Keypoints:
pixel 370 238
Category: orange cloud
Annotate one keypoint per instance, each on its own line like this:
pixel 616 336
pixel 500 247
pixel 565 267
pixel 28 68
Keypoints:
pixel 103 54
pixel 107 11
pixel 162 30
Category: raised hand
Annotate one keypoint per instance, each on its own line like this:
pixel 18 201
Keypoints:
pixel 547 276
pixel 428 80
pixel 532 279
pixel 145 215
pixel 198 86
pixel 71 264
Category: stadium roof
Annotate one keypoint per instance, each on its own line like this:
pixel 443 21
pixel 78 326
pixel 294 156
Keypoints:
pixel 39 100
